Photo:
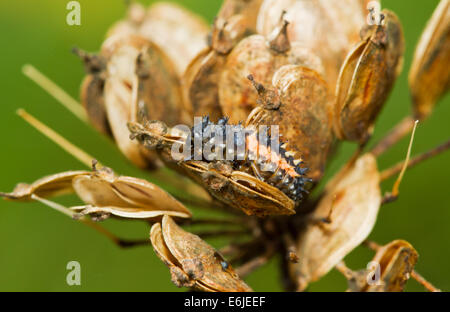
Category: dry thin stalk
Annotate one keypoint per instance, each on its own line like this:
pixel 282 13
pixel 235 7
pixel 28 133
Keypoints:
pixel 257 262
pixel 421 280
pixel 344 270
pixel 206 204
pixel 236 248
pixel 414 274
pixel 66 211
pixel 73 150
pixel 235 221
pixel 396 134
pixel 395 188
pixel 217 233
pixel 389 172
pixel 54 90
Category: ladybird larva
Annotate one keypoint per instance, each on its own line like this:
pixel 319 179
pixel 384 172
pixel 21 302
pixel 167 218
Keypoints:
pixel 271 163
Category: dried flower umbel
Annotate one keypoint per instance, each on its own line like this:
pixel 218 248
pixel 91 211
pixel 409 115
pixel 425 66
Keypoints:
pixel 317 71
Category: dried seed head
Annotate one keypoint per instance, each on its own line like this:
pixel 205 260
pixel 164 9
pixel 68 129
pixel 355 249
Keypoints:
pixel 429 77
pixel 192 262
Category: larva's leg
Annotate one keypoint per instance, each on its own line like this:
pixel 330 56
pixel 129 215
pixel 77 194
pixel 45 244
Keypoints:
pixel 256 171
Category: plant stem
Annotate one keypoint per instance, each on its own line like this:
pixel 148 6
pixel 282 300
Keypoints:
pixel 404 127
pixel 387 173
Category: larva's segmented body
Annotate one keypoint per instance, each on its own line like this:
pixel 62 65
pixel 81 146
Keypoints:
pixel 267 159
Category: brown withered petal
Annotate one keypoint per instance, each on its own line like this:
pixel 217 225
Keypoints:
pixel 180 33
pixel 199 260
pixel 429 76
pixel 52 185
pixel 253 56
pixel 366 78
pixel 303 116
pixel 354 200
pixel 397 260
pixel 326 27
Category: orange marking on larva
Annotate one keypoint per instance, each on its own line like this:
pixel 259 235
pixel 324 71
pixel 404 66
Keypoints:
pixel 265 152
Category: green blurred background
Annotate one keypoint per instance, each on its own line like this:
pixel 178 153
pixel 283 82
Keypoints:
pixel 36 242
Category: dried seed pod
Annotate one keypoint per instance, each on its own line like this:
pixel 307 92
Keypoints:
pixel 299 104
pixel 351 201
pixel 53 185
pixel 201 78
pixel 105 193
pixel 140 83
pixel 260 58
pixel 136 14
pixel 200 84
pixel 429 76
pixel 367 77
pixel 192 262
pixel 326 27
pixel 394 262
pixel 180 33
pixel 92 89
pixel 238 188
pixel 249 9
